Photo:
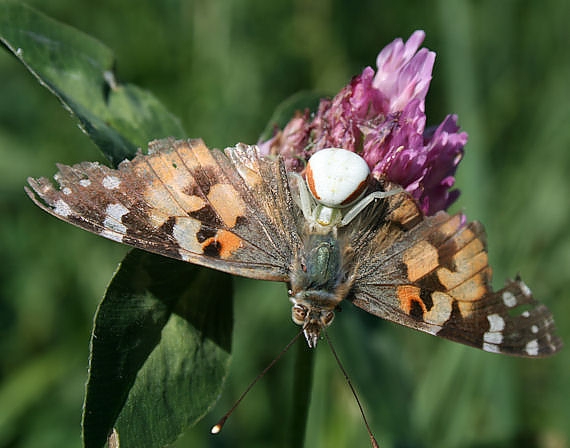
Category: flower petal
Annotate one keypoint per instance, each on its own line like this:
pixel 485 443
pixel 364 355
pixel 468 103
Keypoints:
pixel 404 74
pixel 381 116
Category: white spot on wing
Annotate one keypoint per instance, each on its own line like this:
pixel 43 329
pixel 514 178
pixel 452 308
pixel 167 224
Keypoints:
pixel 62 208
pixel 184 231
pixel 109 234
pixel 116 211
pixel 493 338
pixel 492 348
pixel 496 322
pixel 509 299
pixel 114 214
pixel 111 182
pixel 441 309
pixel 525 314
pixel 525 289
pixel 534 329
pixel 66 191
pixel 532 348
pixel 84 182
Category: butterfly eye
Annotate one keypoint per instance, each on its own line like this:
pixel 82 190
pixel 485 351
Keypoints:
pixel 337 177
pixel 327 318
pixel 298 314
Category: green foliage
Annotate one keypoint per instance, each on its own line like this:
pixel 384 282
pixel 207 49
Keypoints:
pixel 222 67
pixel 160 351
pixel 79 71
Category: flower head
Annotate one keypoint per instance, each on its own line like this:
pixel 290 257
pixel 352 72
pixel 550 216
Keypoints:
pixel 381 116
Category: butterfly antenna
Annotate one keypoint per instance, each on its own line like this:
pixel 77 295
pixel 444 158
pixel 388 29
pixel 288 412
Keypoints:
pixel 218 426
pixel 373 441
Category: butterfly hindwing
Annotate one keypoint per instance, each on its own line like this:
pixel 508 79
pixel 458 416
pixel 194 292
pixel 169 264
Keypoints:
pixel 228 211
pixel 432 274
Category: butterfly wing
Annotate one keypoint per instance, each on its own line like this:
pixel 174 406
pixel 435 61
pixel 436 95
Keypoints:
pixel 230 211
pixel 432 274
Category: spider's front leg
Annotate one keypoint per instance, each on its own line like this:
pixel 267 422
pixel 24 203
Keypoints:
pixel 364 202
pixel 305 201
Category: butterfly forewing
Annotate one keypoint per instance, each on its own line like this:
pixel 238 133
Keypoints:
pixel 184 201
pixel 432 274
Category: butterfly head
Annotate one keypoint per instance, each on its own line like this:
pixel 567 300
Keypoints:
pixel 312 320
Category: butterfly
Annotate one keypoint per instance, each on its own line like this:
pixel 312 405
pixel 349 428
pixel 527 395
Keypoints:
pixel 242 213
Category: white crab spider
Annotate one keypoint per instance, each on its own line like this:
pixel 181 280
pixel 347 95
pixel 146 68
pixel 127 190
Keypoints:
pixel 336 180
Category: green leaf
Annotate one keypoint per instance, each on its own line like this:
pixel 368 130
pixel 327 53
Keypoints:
pixel 162 335
pixel 159 352
pixel 79 71
pixel 298 102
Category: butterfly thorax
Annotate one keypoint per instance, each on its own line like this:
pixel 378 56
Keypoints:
pixel 319 282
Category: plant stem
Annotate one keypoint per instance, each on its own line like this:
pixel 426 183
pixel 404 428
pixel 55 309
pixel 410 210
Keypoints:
pixel 302 387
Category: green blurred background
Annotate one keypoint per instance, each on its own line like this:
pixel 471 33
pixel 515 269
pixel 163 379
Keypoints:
pixel 222 67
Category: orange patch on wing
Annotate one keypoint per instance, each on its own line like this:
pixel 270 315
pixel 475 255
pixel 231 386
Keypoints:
pixel 167 178
pixel 406 213
pixel 161 204
pixel 469 261
pixel 451 226
pixel 193 203
pixel 465 308
pixel 463 237
pixel 165 167
pixel 227 203
pixel 407 295
pixel 156 218
pixel 473 289
pixel 469 251
pixel 227 243
pixel 420 259
pixel 196 156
